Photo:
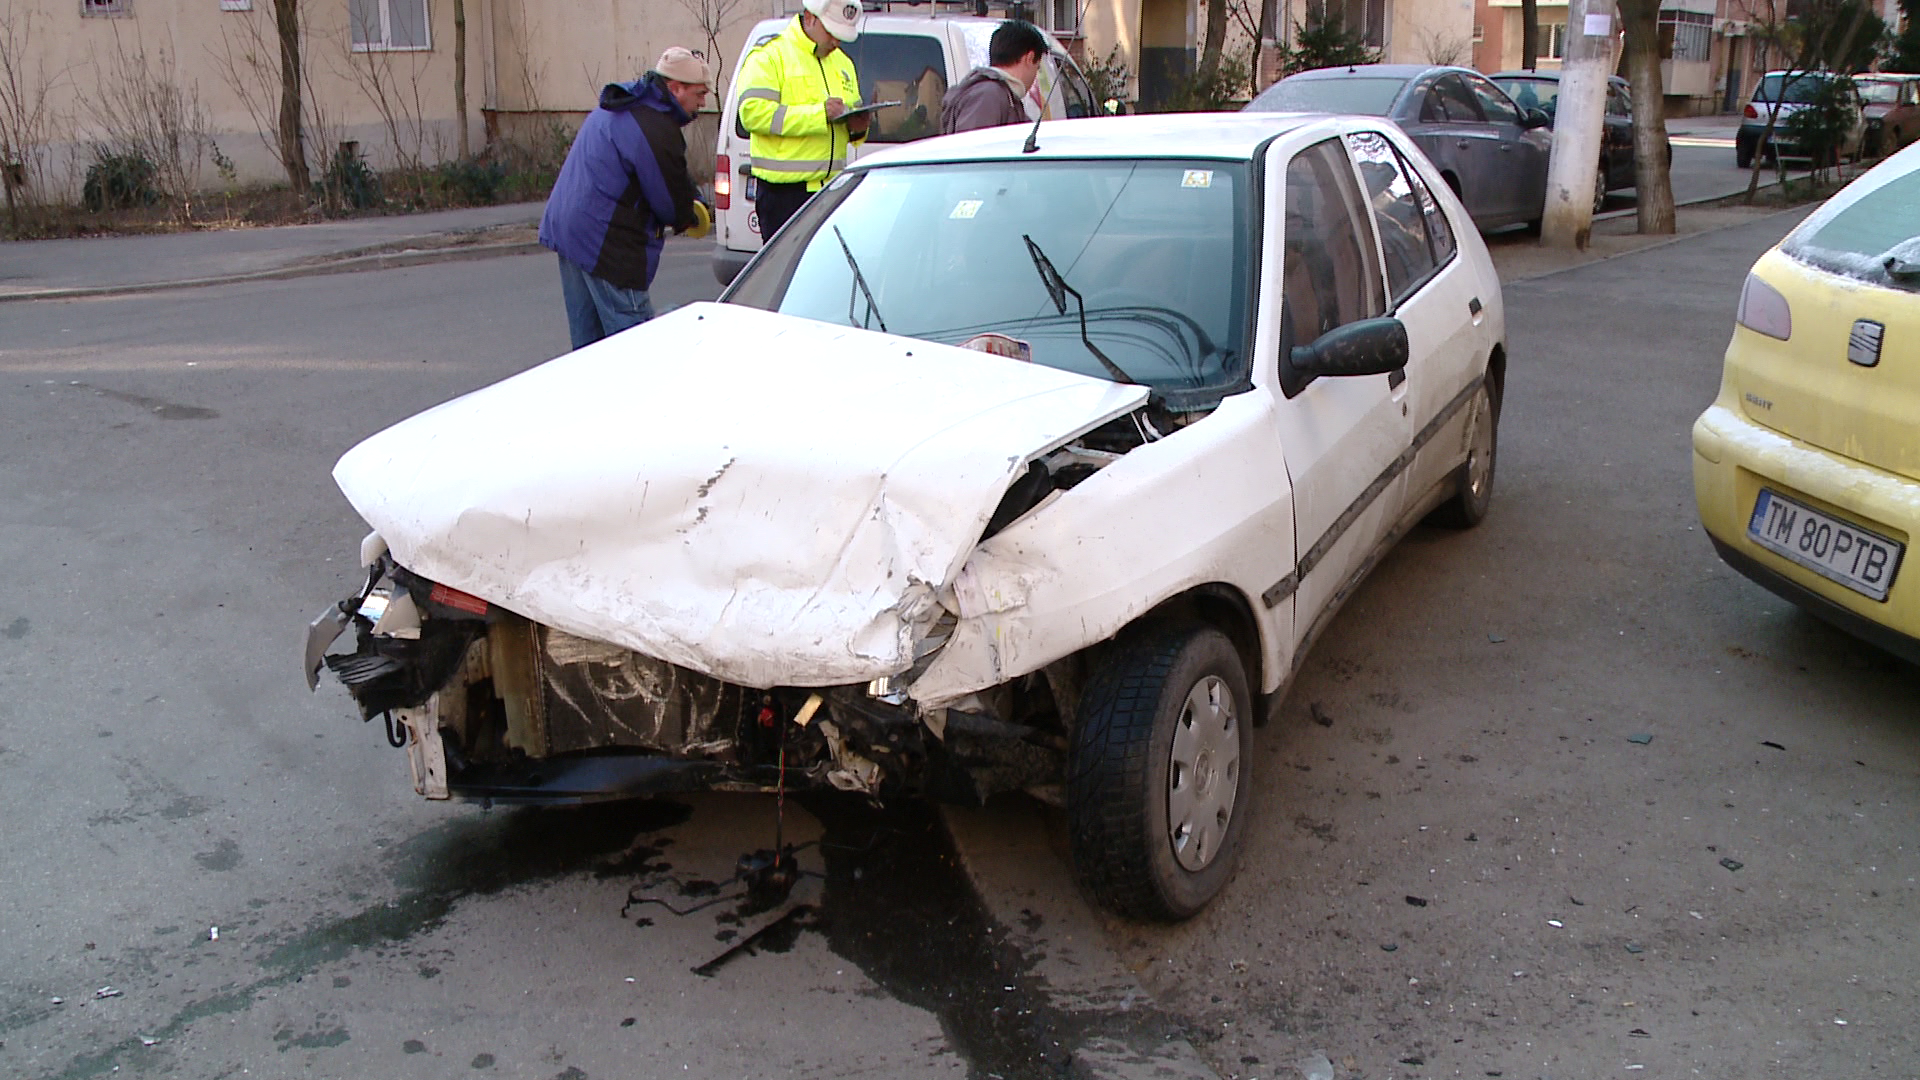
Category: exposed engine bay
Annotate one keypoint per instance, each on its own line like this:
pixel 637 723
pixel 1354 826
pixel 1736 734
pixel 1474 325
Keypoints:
pixel 492 706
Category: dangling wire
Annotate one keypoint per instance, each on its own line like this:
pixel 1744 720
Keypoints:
pixel 396 732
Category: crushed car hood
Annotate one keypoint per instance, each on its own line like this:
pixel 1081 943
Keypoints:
pixel 770 500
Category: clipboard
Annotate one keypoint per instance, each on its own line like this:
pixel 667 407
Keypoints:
pixel 866 110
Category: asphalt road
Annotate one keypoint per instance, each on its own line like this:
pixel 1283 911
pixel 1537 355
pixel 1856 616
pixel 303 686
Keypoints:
pixel 170 526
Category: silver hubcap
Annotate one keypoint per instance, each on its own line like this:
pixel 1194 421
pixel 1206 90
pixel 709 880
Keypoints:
pixel 1204 774
pixel 1480 450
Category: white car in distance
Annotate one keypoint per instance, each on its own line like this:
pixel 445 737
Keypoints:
pixel 1022 459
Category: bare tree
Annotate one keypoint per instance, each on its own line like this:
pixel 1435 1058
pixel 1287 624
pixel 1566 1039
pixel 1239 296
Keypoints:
pixel 145 109
pixel 713 17
pixel 263 68
pixel 28 126
pixel 460 73
pixel 1440 47
pixel 1652 177
pixel 1215 42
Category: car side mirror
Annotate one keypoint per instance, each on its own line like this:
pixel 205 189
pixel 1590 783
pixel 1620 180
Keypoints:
pixel 1535 118
pixel 1366 347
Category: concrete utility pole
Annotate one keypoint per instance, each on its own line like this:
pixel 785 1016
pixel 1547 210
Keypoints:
pixel 1579 115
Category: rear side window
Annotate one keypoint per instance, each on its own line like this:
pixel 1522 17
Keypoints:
pixel 908 68
pixel 1494 103
pixel 1451 94
pixel 1330 275
pixel 1404 241
pixel 1874 236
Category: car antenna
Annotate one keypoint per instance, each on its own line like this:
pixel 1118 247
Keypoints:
pixel 1033 137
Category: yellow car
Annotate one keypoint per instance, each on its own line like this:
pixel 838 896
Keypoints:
pixel 1807 466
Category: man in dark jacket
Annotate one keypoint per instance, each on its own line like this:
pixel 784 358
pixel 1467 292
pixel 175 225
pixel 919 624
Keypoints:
pixel 624 183
pixel 991 96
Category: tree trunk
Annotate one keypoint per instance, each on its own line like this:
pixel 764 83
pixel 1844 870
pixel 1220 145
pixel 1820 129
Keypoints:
pixel 1652 179
pixel 1216 39
pixel 1529 34
pixel 293 144
pixel 460 74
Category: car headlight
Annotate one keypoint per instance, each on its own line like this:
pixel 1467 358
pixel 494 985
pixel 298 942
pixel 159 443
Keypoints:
pixel 1764 310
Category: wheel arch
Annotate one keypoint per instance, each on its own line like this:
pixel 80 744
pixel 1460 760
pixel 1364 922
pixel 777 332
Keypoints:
pixel 1226 609
pixel 1497 373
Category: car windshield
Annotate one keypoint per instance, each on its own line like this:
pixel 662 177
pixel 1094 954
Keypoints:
pixel 1801 89
pixel 992 254
pixel 1371 95
pixel 1878 93
pixel 1540 94
pixel 1874 236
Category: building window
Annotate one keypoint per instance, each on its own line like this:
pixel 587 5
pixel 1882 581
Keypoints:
pixel 1063 17
pixel 1686 35
pixel 104 7
pixel 1553 41
pixel 1479 33
pixel 1368 18
pixel 236 5
pixel 389 25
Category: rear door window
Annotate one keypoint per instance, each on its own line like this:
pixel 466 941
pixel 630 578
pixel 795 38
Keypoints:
pixel 1457 101
pixel 1404 241
pixel 1493 103
pixel 908 68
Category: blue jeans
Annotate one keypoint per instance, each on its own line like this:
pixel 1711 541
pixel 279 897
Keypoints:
pixel 596 309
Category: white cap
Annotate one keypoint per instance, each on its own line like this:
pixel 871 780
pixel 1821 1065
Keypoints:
pixel 682 65
pixel 841 17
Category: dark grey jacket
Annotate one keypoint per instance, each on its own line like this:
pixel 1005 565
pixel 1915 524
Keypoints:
pixel 985 98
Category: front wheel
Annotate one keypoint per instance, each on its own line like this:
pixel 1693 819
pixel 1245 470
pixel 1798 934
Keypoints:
pixel 1157 775
pixel 1473 481
pixel 1742 154
pixel 1600 188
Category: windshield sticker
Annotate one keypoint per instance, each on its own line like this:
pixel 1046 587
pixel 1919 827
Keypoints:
pixel 964 209
pixel 1200 178
pixel 1000 345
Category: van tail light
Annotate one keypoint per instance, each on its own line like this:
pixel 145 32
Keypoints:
pixel 722 182
pixel 1752 113
pixel 1763 310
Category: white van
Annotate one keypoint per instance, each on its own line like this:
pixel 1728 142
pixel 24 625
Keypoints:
pixel 907 58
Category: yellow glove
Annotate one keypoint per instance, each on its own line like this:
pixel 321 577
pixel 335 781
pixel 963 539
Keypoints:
pixel 702 221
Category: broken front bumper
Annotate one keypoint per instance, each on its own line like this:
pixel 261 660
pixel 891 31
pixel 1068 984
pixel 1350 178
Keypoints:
pixel 491 706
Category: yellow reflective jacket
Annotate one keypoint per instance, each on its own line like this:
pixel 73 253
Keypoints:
pixel 783 89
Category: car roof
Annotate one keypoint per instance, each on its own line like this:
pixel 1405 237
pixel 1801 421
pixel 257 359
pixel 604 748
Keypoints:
pixel 1218 136
pixel 1395 71
pixel 1547 76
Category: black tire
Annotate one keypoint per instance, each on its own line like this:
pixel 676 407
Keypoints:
pixel 1121 767
pixel 1742 154
pixel 1473 481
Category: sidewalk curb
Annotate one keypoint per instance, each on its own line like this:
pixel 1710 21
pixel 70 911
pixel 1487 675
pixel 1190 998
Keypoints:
pixel 392 260
pixel 1008 850
pixel 1655 246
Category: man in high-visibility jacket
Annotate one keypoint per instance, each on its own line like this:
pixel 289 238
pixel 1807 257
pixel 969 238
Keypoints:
pixel 795 92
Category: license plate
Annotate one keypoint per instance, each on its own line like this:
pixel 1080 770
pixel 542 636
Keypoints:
pixel 753 188
pixel 1841 551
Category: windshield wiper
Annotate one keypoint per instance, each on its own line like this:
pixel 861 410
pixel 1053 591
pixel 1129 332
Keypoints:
pixel 1058 290
pixel 860 285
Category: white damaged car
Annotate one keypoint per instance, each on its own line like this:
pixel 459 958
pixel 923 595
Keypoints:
pixel 1019 460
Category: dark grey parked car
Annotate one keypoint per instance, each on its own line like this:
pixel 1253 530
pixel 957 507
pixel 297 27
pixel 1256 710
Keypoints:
pixel 1489 151
pixel 1541 90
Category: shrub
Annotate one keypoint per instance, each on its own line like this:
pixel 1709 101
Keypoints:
pixel 349 183
pixel 471 182
pixel 1325 41
pixel 118 181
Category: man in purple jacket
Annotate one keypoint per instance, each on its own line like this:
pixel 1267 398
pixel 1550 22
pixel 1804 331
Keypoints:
pixel 991 96
pixel 624 183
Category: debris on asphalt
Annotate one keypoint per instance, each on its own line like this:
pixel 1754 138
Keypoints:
pixel 1643 739
pixel 1555 923
pixel 1416 901
pixel 1388 946
pixel 1413 1059
pixel 1320 715
pixel 1496 638
pixel 1635 949
pixel 1839 1021
pixel 148 1040
pixel 105 992
pixel 1576 901
pixel 1696 915
pixel 59 1001
pixel 213 933
pixel 1770 742
pixel 1473 838
pixel 1640 1033
pixel 1315 1066
pixel 1732 864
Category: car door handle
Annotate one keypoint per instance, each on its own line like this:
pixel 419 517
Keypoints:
pixel 1506 147
pixel 1464 144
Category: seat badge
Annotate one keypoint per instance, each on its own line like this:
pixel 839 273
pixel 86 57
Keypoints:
pixel 1863 344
